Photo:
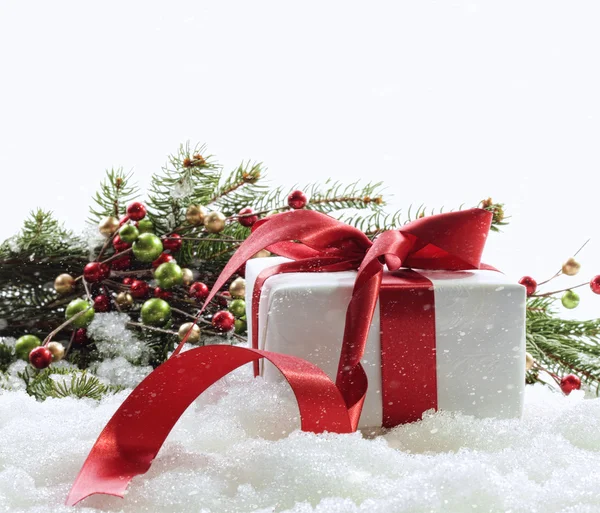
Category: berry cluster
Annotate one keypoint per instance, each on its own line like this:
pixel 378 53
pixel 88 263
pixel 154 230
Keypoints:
pixel 569 300
pixel 143 267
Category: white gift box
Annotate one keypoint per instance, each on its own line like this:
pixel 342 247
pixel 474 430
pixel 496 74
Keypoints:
pixel 479 329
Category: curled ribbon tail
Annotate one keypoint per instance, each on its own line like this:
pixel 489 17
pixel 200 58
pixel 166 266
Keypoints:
pixel 134 435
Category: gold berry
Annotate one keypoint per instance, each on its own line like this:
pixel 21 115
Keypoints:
pixel 529 361
pixel 263 253
pixel 57 350
pixel 188 276
pixel 64 283
pixel 194 336
pixel 108 226
pixel 237 289
pixel 195 214
pixel 124 299
pixel 214 222
pixel 571 267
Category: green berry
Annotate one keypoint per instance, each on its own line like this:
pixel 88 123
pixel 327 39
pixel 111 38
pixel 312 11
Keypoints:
pixel 240 326
pixel 145 226
pixel 570 299
pixel 147 247
pixel 128 233
pixel 168 275
pixel 237 307
pixel 156 312
pixel 24 346
pixel 76 306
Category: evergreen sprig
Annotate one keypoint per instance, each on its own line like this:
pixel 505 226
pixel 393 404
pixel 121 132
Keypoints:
pixel 190 177
pixel 373 223
pixel 333 196
pixel 116 191
pixel 42 236
pixel 563 346
pixel 239 189
pixel 62 382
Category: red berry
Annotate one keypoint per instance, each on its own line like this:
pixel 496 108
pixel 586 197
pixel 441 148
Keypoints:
pixel 40 357
pixel 80 336
pixel 120 245
pixel 569 383
pixel 529 283
pixel 173 242
pixel 162 294
pixel 105 270
pixel 128 280
pixel 95 272
pixel 199 291
pixel 297 199
pixel 123 220
pixel 122 263
pixel 247 220
pixel 164 257
pixel 139 289
pixel 102 303
pixel 223 301
pixel 223 320
pixel 595 284
pixel 136 211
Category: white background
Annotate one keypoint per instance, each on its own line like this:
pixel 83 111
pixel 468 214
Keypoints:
pixel 447 102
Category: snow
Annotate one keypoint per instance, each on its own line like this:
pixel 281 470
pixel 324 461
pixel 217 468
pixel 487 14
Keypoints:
pixel 93 239
pixel 238 449
pixel 113 339
pixel 183 189
pixel 118 371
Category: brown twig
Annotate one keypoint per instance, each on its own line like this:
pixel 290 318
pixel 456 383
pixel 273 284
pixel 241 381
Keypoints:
pixel 117 255
pixel 559 272
pixel 64 325
pixel 152 328
pixel 546 294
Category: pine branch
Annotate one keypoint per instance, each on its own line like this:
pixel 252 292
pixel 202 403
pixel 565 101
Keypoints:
pixel 61 382
pixel 375 222
pixel 240 189
pixel 329 197
pixel 334 195
pixel 564 346
pixel 188 178
pixel 115 193
pixel 41 236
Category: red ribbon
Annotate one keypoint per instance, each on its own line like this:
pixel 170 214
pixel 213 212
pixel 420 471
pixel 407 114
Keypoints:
pixel 453 241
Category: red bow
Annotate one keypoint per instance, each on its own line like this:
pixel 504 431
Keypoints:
pixel 134 435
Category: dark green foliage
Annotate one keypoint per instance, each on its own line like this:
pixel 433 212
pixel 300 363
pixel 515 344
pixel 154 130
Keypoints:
pixel 563 346
pixel 6 357
pixel 29 263
pixel 41 236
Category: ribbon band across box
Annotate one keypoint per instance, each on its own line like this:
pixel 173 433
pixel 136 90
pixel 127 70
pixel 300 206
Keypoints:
pixel 453 341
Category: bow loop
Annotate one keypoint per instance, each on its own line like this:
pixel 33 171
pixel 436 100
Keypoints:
pixel 454 240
